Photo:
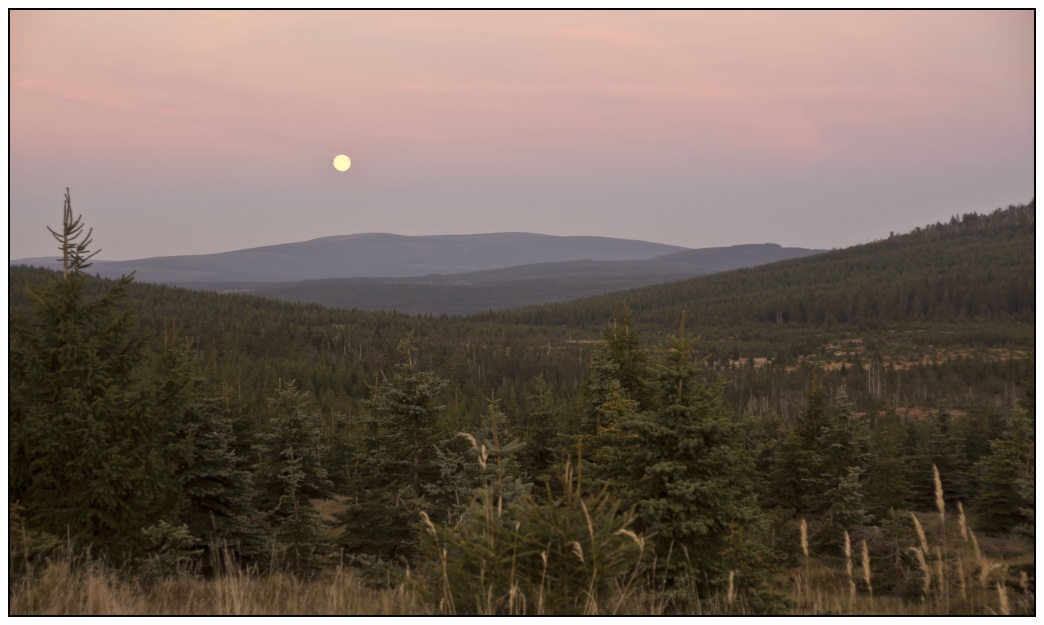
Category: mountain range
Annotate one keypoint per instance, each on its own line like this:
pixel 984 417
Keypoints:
pixel 373 255
pixel 445 274
pixel 509 287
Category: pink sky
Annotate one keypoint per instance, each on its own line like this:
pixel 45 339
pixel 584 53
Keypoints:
pixel 194 132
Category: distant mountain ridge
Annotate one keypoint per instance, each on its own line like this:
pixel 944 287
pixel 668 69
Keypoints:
pixel 440 274
pixel 508 287
pixel 678 265
pixel 374 255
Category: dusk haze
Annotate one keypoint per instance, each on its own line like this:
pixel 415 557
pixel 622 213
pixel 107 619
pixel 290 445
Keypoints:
pixel 813 129
pixel 522 313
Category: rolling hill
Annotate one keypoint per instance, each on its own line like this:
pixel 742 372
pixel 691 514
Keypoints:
pixel 496 289
pixel 372 256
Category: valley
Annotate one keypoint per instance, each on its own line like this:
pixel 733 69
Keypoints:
pixel 911 353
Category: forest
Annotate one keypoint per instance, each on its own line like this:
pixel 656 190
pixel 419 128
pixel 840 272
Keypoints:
pixel 845 433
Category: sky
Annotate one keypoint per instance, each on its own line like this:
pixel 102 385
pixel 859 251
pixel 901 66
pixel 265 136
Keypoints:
pixel 201 132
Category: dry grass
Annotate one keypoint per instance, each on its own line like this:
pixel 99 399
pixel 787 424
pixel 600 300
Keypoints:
pixel 65 588
pixel 959 574
pixel 962 577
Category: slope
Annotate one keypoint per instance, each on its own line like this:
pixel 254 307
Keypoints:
pixel 974 267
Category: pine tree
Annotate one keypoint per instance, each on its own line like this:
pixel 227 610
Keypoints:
pixel 944 449
pixel 542 443
pixel 1005 501
pixel 805 455
pixel 459 475
pixel 683 472
pixel 814 416
pixel 844 441
pixel 817 453
pixel 606 454
pixel 291 474
pixel 612 392
pixel 398 460
pixel 86 442
pixel 498 451
pixel 618 364
pixel 888 484
pixel 794 482
pixel 847 507
pixel 843 445
pixel 216 491
pixel 798 459
pixel 219 492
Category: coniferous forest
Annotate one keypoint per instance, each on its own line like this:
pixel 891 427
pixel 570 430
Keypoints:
pixel 845 433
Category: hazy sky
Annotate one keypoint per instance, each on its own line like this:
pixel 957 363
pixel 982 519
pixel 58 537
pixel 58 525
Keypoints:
pixel 198 132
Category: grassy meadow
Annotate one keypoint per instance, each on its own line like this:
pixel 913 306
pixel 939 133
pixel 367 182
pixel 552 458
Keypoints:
pixel 943 568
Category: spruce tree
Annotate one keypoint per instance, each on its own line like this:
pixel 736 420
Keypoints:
pixel 619 363
pixel 1005 501
pixel 290 474
pixel 798 459
pixel 793 478
pixel 814 416
pixel 216 490
pixel 387 488
pixel 943 448
pixel 87 460
pixel 606 454
pixel 542 444
pixel 844 441
pixel 219 493
pixel 888 484
pixel 683 472
pixel 843 445
pixel 613 390
pixel 818 453
pixel 847 507
pixel 498 452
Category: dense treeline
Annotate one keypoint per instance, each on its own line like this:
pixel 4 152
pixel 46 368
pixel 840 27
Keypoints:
pixel 975 267
pixel 419 296
pixel 249 343
pixel 507 461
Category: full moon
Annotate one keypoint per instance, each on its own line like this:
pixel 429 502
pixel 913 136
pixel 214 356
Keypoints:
pixel 342 162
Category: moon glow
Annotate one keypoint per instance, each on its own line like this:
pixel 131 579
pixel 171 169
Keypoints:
pixel 342 162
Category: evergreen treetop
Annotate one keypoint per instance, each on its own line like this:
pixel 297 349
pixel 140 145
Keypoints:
pixel 88 459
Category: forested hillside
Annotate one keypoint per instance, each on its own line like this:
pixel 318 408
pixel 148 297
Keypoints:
pixel 584 457
pixel 974 267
